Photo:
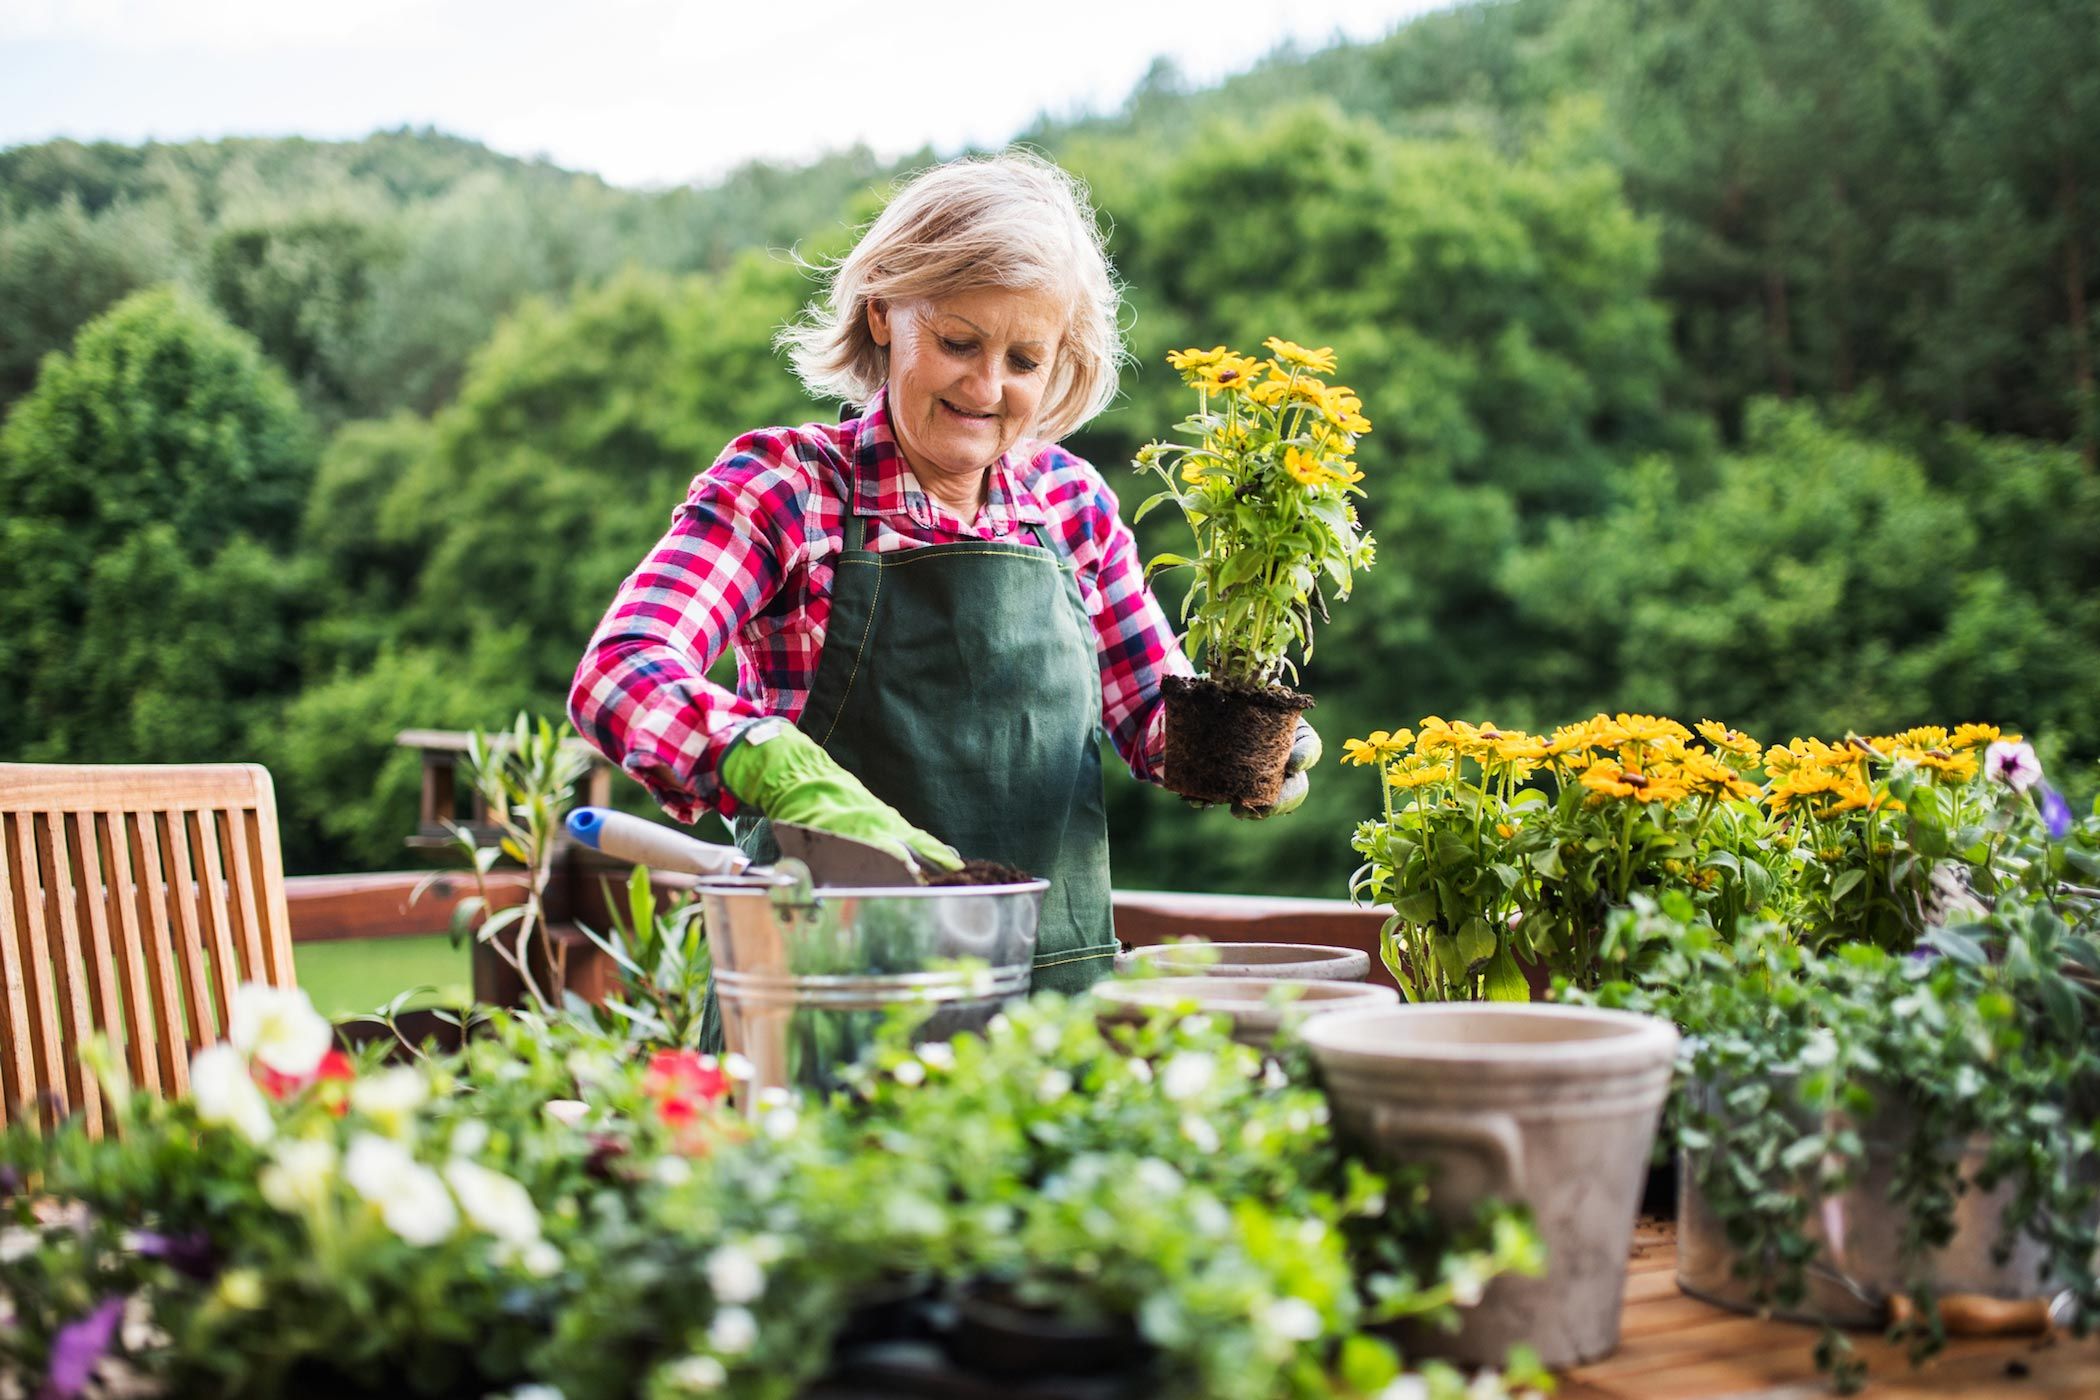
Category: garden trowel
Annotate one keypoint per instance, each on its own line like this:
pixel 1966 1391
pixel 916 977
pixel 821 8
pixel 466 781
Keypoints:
pixel 833 860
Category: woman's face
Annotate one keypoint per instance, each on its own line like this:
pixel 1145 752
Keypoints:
pixel 967 373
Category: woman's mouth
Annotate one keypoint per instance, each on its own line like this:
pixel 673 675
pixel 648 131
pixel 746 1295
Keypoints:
pixel 966 415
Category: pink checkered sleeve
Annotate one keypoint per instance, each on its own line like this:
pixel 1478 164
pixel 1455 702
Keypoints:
pixel 1133 640
pixel 641 693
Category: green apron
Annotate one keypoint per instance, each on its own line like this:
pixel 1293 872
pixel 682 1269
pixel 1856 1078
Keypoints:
pixel 959 682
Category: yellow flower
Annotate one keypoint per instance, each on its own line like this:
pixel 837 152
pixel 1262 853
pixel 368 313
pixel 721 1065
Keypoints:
pixel 1320 361
pixel 1228 374
pixel 1381 746
pixel 1343 409
pixel 1959 767
pixel 1648 729
pixel 1975 736
pixel 1416 772
pixel 1505 830
pixel 1708 776
pixel 1269 393
pixel 1924 736
pixel 1194 470
pixel 1304 467
pixel 1804 781
pixel 1196 359
pixel 1226 437
pixel 1729 740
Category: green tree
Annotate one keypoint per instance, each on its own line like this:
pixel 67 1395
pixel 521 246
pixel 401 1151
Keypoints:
pixel 149 486
pixel 61 266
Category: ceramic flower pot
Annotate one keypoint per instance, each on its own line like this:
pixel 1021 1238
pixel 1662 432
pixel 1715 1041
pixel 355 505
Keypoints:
pixel 1228 742
pixel 1551 1106
pixel 1256 1013
pixel 1858 1238
pixel 1293 962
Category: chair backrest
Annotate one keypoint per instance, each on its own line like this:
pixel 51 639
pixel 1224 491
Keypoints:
pixel 133 900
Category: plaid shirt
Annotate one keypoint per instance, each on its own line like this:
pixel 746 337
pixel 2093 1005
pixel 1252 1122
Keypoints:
pixel 748 560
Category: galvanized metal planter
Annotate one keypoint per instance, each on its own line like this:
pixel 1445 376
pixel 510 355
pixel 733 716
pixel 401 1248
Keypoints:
pixel 805 976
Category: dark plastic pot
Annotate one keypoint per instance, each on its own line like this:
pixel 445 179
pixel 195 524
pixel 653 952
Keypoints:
pixel 994 1335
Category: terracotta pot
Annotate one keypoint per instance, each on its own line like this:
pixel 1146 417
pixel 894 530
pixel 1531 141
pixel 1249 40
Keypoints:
pixel 1257 1016
pixel 1229 743
pixel 1294 962
pixel 1551 1106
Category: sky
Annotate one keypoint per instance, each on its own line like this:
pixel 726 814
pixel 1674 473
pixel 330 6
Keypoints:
pixel 642 92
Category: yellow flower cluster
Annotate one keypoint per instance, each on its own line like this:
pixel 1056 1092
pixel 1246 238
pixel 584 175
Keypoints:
pixel 1318 440
pixel 1624 756
pixel 1829 780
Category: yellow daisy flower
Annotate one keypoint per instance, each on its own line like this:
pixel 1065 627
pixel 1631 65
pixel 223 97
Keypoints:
pixel 1414 773
pixel 1381 746
pixel 1304 468
pixel 1196 359
pixel 1728 740
pixel 1320 361
pixel 1975 736
pixel 1649 729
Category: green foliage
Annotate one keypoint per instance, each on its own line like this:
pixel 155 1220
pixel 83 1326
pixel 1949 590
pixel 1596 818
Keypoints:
pixel 61 266
pixel 148 489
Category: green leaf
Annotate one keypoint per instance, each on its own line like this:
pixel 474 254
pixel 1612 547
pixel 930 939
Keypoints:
pixel 1476 940
pixel 1455 964
pixel 1846 884
pixel 1150 501
pixel 1505 980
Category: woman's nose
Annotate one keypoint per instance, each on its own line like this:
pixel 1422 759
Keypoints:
pixel 984 384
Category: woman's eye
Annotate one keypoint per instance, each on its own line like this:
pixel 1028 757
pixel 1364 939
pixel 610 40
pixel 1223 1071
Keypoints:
pixel 1024 364
pixel 955 347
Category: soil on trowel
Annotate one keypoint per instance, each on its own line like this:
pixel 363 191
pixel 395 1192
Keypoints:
pixel 1226 740
pixel 980 872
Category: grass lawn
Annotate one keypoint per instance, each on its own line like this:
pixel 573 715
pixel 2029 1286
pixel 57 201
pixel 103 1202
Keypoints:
pixel 360 974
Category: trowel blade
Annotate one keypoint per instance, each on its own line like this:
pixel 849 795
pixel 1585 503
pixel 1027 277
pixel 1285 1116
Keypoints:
pixel 842 861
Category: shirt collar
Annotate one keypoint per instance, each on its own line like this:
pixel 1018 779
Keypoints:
pixel 884 484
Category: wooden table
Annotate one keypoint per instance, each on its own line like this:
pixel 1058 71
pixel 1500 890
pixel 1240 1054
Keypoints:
pixel 1677 1348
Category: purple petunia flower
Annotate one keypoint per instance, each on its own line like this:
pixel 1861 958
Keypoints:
pixel 76 1349
pixel 2013 764
pixel 190 1255
pixel 2056 813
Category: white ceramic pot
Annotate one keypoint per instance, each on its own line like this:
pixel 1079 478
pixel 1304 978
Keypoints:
pixel 1553 1106
pixel 1259 1008
pixel 1296 962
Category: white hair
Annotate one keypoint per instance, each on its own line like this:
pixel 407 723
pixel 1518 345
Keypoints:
pixel 1013 220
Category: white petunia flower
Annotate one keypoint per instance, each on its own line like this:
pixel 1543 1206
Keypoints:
pixel 278 1027
pixel 738 1067
pixel 224 1091
pixel 911 1074
pixel 390 1097
pixel 1405 1388
pixel 938 1055
pixel 299 1175
pixel 735 1275
pixel 567 1112
pixel 1053 1085
pixel 2013 764
pixel 733 1332
pixel 540 1259
pixel 780 1123
pixel 1187 1075
pixel 1292 1318
pixel 672 1171
pixel 1200 1134
pixel 412 1198
pixel 695 1375
pixel 1273 1077
pixel 494 1202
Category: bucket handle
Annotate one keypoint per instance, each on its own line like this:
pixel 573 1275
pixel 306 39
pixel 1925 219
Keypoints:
pixel 1493 1135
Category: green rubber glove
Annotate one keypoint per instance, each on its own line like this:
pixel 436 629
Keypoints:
pixel 1305 752
pixel 778 769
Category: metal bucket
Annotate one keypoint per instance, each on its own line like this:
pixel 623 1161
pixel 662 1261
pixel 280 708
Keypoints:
pixel 1858 1234
pixel 806 976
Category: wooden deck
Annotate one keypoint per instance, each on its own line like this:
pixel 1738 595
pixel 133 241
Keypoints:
pixel 1677 1348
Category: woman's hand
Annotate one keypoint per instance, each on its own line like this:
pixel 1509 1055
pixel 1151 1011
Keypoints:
pixel 783 773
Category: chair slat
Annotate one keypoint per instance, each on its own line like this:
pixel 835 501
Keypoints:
pixel 91 900
pixel 212 879
pixel 167 990
pixel 17 1067
pixel 198 998
pixel 42 1018
pixel 141 1028
pixel 240 881
pixel 260 821
pixel 68 968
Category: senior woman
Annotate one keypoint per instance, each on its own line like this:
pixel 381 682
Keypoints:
pixel 936 610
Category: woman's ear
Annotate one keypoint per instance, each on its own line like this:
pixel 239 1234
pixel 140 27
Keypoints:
pixel 879 321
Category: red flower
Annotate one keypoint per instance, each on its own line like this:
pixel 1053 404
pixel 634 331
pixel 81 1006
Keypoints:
pixel 684 1075
pixel 334 1065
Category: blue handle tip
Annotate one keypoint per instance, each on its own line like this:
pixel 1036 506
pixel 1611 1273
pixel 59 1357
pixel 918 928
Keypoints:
pixel 585 824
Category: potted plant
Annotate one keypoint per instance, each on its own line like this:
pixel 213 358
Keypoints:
pixel 1265 484
pixel 1873 1137
pixel 1502 853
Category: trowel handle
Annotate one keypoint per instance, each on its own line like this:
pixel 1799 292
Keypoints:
pixel 646 843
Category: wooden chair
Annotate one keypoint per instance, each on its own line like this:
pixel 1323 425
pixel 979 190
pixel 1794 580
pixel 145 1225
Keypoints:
pixel 133 900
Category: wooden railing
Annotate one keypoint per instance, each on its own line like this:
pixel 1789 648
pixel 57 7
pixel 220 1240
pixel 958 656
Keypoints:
pixel 325 907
